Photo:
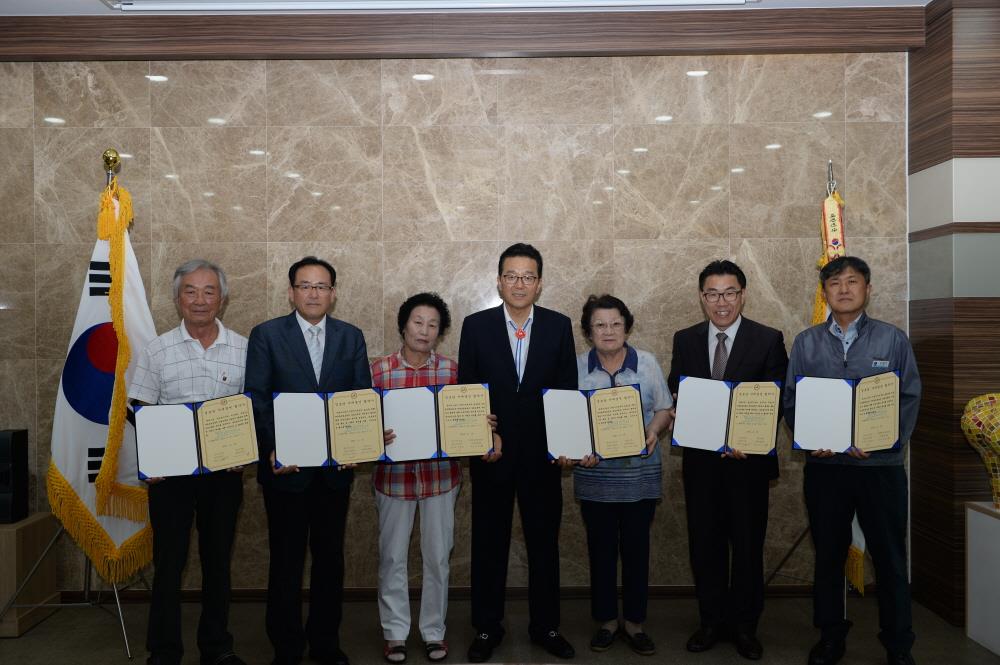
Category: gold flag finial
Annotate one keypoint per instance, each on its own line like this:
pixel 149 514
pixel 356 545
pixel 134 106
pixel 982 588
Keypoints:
pixel 112 160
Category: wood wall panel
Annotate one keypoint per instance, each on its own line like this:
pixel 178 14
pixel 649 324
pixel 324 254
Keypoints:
pixel 953 228
pixel 930 87
pixel 948 337
pixel 395 35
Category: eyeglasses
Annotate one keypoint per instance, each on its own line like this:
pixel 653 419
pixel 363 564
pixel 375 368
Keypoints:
pixel 602 326
pixel 713 296
pixel 510 279
pixel 306 288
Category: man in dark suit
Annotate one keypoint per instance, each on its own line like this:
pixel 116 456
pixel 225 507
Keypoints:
pixel 517 348
pixel 727 495
pixel 305 351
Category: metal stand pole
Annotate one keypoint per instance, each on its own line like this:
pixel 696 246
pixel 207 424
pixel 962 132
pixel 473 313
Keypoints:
pixel 121 621
pixel 788 555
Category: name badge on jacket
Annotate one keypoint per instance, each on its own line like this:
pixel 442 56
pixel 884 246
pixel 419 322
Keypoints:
pixel 880 364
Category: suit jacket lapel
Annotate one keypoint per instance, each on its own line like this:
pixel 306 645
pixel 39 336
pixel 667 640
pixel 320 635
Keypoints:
pixel 533 351
pixel 702 365
pixel 332 341
pixel 503 341
pixel 741 344
pixel 297 346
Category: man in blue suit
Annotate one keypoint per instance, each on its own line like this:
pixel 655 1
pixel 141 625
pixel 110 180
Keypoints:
pixel 519 349
pixel 305 351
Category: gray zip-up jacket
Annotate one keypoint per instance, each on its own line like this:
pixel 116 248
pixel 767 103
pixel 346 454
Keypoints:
pixel 880 347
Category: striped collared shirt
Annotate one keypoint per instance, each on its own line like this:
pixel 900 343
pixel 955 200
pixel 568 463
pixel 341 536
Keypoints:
pixel 415 480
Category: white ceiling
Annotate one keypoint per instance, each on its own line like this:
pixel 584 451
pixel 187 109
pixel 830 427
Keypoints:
pixel 98 8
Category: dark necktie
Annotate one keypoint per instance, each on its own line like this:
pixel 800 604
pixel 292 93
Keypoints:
pixel 721 357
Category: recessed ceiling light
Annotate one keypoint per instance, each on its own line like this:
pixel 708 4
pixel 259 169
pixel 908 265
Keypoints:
pixel 317 194
pixel 697 73
pixel 623 171
pixel 423 77
pixel 257 151
pixel 716 188
pixel 54 121
pixel 216 121
pixel 822 114
pixel 157 78
pixel 125 155
pixel 773 146
pixel 170 176
pixel 293 175
pixel 738 169
pixel 663 118
pixel 598 203
pixel 609 189
pixel 237 208
pixel 334 207
pixel 640 149
pixel 208 195
pixel 694 202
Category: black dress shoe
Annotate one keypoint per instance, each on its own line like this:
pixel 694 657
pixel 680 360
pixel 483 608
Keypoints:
pixel 639 642
pixel 602 640
pixel 482 647
pixel 748 646
pixel 226 659
pixel 900 659
pixel 332 657
pixel 555 644
pixel 703 639
pixel 826 652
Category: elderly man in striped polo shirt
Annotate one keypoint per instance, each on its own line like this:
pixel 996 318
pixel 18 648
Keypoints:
pixel 198 360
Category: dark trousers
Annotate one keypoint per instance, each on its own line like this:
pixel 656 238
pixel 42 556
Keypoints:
pixel 174 504
pixel 318 516
pixel 538 488
pixel 726 508
pixel 613 529
pixel 879 495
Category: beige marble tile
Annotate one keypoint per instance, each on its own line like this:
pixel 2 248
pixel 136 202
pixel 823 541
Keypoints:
pixel 779 192
pixel 206 93
pixel 17 301
pixel 649 89
pixel 208 184
pixel 671 182
pixel 787 88
pixel 561 91
pixel 359 267
pixel 18 409
pixel 16 94
pixel 17 180
pixel 442 183
pixel 91 94
pixel 48 374
pixel 875 191
pixel 554 181
pixel 251 548
pixel 324 183
pixel 59 278
pixel 876 87
pixel 245 266
pixel 461 92
pixel 464 276
pixel 69 179
pixel 323 92
pixel 658 280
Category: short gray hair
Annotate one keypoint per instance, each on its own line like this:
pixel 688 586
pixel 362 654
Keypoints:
pixel 194 265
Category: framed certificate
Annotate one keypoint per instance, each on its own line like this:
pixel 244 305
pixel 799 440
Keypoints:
pixel 196 438
pixel 606 422
pixel 727 415
pixel 837 414
pixel 462 425
pixel 327 429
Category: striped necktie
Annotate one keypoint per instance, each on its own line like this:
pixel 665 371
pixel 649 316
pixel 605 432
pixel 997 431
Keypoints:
pixel 721 357
pixel 315 350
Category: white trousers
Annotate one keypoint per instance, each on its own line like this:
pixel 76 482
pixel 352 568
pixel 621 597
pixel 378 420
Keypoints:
pixel 437 524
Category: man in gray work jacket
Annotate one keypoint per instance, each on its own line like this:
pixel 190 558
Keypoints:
pixel 850 345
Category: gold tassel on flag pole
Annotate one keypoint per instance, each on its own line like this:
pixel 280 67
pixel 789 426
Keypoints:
pixel 833 238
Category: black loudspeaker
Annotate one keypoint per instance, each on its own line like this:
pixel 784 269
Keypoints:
pixel 13 475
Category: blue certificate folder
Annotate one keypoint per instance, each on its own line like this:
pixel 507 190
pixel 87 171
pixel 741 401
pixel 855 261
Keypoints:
pixel 726 415
pixel 304 435
pixel 575 428
pixel 175 440
pixel 837 414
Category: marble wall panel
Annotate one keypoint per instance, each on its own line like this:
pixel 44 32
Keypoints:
pixel 48 374
pixel 465 276
pixel 777 191
pixel 555 182
pixel 324 183
pixel 460 92
pixel 91 94
pixel 876 87
pixel 653 90
pixel 208 93
pixel 787 88
pixel 562 91
pixel 17 185
pixel 69 177
pixel 443 183
pixel 208 184
pixel 17 301
pixel 323 92
pixel 671 182
pixel 245 266
pixel 875 191
pixel 16 94
pixel 360 270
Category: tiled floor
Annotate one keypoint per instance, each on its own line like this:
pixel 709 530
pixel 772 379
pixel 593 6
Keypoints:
pixel 92 636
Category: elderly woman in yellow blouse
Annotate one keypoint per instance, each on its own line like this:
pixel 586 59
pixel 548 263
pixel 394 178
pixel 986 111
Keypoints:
pixel 618 497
